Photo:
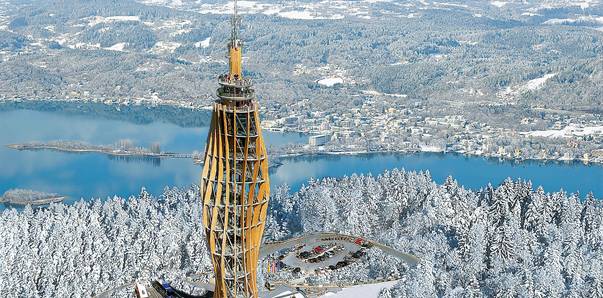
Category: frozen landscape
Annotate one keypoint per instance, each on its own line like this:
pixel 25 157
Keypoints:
pixel 511 239
pixel 413 148
pixel 482 78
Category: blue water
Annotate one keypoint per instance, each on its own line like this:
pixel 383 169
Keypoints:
pixel 471 172
pixel 97 175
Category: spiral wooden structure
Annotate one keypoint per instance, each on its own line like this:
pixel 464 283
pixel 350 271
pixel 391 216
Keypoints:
pixel 235 185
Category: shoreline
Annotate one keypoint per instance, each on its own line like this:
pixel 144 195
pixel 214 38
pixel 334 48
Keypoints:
pixel 45 201
pixel 277 158
pixel 110 102
pixel 24 197
pixel 408 152
pixel 193 106
pixel 99 150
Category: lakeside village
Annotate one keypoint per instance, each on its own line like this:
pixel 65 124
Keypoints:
pixel 403 129
pixel 393 126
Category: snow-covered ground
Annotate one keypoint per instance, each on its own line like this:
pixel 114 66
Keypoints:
pixel 536 84
pixel 365 9
pixel 3 17
pixel 289 294
pixel 498 4
pixel 203 44
pixel 305 15
pixel 447 4
pixel 93 21
pixel 377 93
pixel 181 31
pixel 583 19
pixel 117 47
pixel 311 11
pixel 172 26
pixel 568 131
pixel 327 75
pixel 290 10
pixel 330 82
pixel 531 85
pixel 364 291
pixel 163 47
pixel 584 4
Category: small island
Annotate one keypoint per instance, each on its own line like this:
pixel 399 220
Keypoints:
pixel 29 197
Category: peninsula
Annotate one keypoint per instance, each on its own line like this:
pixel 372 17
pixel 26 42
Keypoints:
pixel 30 197
pixel 121 148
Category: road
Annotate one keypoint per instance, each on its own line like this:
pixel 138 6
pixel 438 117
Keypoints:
pixel 309 240
pixel 270 248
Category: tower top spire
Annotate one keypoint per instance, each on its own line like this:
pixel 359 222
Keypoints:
pixel 234 35
pixel 234 48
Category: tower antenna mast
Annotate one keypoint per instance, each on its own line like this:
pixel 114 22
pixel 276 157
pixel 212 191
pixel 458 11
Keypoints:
pixel 235 23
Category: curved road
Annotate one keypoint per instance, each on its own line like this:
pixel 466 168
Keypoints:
pixel 310 239
pixel 270 248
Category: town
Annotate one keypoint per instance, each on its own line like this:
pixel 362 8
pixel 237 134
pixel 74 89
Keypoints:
pixel 385 123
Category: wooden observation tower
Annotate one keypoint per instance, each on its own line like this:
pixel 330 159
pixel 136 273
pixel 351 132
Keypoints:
pixel 235 185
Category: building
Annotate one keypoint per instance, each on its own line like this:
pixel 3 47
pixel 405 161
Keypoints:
pixel 318 140
pixel 235 184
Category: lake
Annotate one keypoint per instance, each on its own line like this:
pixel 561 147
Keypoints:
pixel 97 175
pixel 470 171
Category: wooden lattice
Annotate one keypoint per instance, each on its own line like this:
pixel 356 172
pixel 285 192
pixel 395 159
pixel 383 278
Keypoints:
pixel 235 191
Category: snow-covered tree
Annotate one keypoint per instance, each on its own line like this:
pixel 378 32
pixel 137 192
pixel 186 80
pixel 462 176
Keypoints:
pixel 499 241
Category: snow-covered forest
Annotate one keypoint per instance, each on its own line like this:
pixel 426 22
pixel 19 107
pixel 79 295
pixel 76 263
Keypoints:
pixel 509 241
pixel 86 248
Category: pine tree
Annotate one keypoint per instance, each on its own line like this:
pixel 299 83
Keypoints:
pixel 424 283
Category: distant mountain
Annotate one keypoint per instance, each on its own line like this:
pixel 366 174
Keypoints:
pixel 469 51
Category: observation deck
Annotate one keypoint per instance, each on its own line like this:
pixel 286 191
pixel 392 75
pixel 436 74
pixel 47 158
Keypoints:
pixel 226 81
pixel 235 89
